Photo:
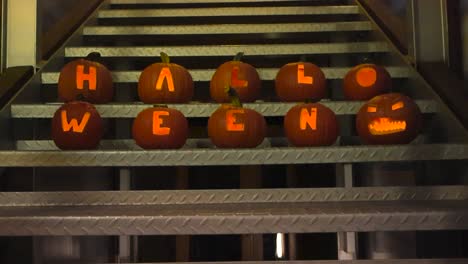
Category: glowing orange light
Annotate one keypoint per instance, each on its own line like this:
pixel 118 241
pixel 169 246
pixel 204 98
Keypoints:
pixel 301 78
pixel 235 81
pixel 366 77
pixel 397 106
pixel 232 122
pixel 308 119
pixel 165 74
pixel 371 109
pixel 90 77
pixel 73 124
pixel 385 126
pixel 158 130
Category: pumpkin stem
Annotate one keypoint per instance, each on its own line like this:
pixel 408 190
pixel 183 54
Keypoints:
pixel 160 106
pixel 165 58
pixel 238 56
pixel 94 56
pixel 311 101
pixel 80 97
pixel 303 58
pixel 367 60
pixel 233 96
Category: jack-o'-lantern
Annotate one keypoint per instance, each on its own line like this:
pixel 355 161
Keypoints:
pixel 300 81
pixel 77 126
pixel 389 119
pixel 366 81
pixel 232 126
pixel 86 79
pixel 238 75
pixel 165 82
pixel 160 127
pixel 311 124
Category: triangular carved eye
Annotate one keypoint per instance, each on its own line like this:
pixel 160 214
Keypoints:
pixel 397 106
pixel 371 109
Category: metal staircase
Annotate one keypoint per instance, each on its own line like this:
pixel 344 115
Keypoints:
pixel 202 34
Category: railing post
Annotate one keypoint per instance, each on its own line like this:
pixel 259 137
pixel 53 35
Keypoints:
pixel 21 33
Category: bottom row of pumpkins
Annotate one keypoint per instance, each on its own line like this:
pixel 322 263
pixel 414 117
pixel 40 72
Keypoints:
pixel 386 119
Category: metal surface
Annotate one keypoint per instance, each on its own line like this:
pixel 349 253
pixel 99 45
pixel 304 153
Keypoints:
pixel 244 196
pixel 220 157
pixel 131 110
pixel 250 50
pixel 229 29
pixel 233 218
pixel 389 261
pixel 206 74
pixel 231 11
pixel 117 2
pixel 394 261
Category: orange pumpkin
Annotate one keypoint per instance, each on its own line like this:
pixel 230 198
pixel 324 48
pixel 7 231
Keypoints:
pixel 389 119
pixel 77 126
pixel 238 75
pixel 366 81
pixel 160 128
pixel 165 83
pixel 86 79
pixel 311 124
pixel 232 126
pixel 300 81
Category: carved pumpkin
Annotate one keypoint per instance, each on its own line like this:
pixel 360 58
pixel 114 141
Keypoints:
pixel 300 81
pixel 389 119
pixel 311 124
pixel 232 126
pixel 77 126
pixel 160 128
pixel 165 83
pixel 86 79
pixel 365 81
pixel 241 76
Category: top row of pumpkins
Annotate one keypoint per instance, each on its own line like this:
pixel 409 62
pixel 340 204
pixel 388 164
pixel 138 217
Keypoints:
pixel 165 82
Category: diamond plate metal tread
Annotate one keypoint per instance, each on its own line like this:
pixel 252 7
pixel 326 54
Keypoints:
pixel 252 218
pixel 382 261
pixel 222 157
pixel 231 11
pixel 196 197
pixel 229 29
pixel 228 50
pixel 204 75
pixel 129 144
pixel 126 2
pixel 192 110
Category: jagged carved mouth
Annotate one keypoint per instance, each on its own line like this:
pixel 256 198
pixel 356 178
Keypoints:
pixel 386 126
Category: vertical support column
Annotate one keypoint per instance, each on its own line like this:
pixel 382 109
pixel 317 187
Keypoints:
pixel 125 242
pixel 291 178
pixel 182 242
pixel 430 30
pixel 347 241
pixel 252 245
pixel 390 245
pixel 21 46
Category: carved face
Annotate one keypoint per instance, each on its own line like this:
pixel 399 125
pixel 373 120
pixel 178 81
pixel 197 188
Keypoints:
pixel 389 119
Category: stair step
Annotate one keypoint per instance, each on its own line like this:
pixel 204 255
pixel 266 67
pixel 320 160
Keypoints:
pixel 228 50
pixel 191 110
pixel 230 11
pixel 137 2
pixel 243 218
pixel 238 196
pixel 205 75
pixel 228 29
pixel 233 157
